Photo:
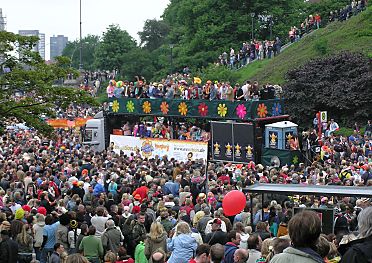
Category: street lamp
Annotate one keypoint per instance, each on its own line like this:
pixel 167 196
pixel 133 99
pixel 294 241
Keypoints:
pixel 171 46
pixel 271 26
pixel 81 44
pixel 73 53
pixel 252 16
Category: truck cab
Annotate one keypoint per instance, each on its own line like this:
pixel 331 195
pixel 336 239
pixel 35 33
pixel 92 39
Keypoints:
pixel 94 133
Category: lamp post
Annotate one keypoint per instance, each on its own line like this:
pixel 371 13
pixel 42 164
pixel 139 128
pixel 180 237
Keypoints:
pixel 73 53
pixel 81 44
pixel 171 46
pixel 252 16
pixel 271 26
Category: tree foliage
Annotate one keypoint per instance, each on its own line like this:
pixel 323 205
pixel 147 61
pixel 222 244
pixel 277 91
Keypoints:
pixel 24 71
pixel 339 84
pixel 110 52
pixel 153 34
pixel 89 46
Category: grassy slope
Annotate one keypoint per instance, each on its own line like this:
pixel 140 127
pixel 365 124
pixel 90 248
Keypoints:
pixel 353 35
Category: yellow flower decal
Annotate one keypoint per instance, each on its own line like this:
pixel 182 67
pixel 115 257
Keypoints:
pixel 222 109
pixel 164 107
pixel 130 106
pixel 182 108
pixel 262 110
pixel 115 106
pixel 146 107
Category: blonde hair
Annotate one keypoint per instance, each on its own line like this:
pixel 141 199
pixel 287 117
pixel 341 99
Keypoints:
pixel 76 258
pixel 183 228
pixel 22 237
pixel 110 257
pixel 265 247
pixel 156 230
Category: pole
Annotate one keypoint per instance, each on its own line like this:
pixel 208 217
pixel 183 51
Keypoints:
pixel 252 35
pixel 171 58
pixel 81 44
pixel 271 28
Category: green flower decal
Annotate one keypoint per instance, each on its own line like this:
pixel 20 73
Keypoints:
pixel 130 106
pixel 295 159
pixel 115 106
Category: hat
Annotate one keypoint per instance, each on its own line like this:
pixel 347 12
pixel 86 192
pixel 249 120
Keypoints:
pixel 84 172
pixel 26 208
pixel 19 214
pixel 76 183
pixel 216 221
pixel 137 197
pixel 42 210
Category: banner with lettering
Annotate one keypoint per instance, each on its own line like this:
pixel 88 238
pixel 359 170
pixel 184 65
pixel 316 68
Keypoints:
pixel 150 147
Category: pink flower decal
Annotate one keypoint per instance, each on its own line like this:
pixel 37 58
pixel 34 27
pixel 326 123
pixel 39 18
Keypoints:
pixel 241 111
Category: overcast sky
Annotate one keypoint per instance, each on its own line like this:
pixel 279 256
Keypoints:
pixel 61 17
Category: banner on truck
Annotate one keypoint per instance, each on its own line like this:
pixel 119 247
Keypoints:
pixel 150 147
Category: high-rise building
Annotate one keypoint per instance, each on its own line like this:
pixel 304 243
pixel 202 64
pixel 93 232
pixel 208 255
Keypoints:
pixel 2 20
pixel 57 44
pixel 40 46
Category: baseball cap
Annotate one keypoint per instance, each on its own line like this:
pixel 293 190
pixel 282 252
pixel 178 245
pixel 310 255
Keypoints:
pixel 216 221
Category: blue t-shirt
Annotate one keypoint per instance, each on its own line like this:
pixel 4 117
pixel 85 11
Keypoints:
pixel 50 232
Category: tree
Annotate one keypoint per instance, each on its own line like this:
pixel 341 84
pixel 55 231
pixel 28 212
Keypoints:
pixel 339 84
pixel 138 62
pixel 110 52
pixel 89 46
pixel 154 34
pixel 24 71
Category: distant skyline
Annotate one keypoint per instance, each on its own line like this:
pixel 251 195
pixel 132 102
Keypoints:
pixel 55 17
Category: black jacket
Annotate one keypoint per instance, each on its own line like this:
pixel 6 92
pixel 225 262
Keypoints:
pixel 216 237
pixel 8 251
pixel 360 251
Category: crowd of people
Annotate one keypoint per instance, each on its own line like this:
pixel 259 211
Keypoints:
pixel 250 52
pixel 62 202
pixel 166 130
pixel 182 89
pixel 348 11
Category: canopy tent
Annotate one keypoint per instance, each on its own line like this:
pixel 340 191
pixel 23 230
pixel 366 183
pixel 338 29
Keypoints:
pixel 317 190
pixel 323 190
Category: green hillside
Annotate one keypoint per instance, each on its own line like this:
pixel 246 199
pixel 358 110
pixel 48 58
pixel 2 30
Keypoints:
pixel 354 35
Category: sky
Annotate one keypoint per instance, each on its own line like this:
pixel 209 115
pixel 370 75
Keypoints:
pixel 61 17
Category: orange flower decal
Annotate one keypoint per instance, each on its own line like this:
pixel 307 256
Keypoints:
pixel 146 107
pixel 182 108
pixel 262 110
pixel 164 107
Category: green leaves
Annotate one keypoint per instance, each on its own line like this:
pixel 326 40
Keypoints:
pixel 29 75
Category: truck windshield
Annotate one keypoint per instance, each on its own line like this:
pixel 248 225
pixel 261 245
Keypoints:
pixel 88 135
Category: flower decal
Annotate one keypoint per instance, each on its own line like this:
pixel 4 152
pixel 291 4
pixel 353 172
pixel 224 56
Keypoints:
pixel 146 107
pixel 115 106
pixel 203 109
pixel 295 159
pixel 241 111
pixel 262 110
pixel 222 109
pixel 277 109
pixel 164 107
pixel 130 106
pixel 182 108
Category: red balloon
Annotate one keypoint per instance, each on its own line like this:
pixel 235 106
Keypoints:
pixel 233 203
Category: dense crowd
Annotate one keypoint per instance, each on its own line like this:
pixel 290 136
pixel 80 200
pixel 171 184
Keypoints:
pixel 183 89
pixel 62 202
pixel 348 11
pixel 165 130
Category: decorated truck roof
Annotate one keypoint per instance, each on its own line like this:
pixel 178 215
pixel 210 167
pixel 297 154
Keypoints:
pixel 215 109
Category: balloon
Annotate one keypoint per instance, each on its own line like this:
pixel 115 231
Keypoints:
pixel 233 203
pixel 119 84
